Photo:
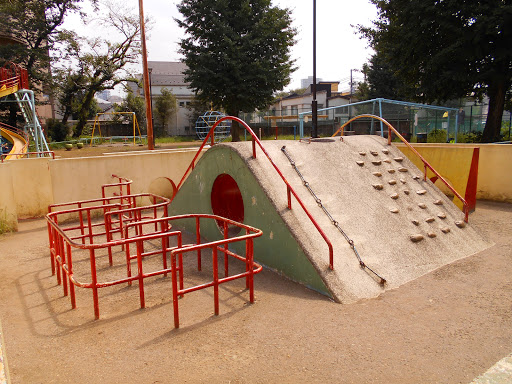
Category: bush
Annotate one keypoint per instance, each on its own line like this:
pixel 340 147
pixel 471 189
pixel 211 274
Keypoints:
pixel 436 136
pixel 57 130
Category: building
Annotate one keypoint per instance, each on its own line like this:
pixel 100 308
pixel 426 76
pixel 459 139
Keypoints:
pixel 170 75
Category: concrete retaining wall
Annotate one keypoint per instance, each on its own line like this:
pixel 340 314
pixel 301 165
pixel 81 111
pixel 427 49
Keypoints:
pixel 452 161
pixel 30 185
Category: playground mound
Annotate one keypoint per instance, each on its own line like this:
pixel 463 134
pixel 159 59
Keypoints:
pixel 401 226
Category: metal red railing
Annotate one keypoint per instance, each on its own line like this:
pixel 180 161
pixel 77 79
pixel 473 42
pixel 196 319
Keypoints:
pixel 62 247
pixel 124 207
pixel 12 75
pixel 123 184
pixel 289 190
pixel 426 164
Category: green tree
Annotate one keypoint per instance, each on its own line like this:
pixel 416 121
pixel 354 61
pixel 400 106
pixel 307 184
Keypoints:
pixel 165 107
pixel 133 103
pixel 444 49
pixel 100 63
pixel 237 52
pixel 34 25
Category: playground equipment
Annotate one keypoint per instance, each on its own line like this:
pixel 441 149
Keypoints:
pixel 414 118
pixel 400 223
pixel 97 123
pixel 205 122
pixel 135 229
pixel 14 142
pixel 14 80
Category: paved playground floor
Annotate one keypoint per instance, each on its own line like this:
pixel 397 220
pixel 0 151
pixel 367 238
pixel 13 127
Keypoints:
pixel 449 326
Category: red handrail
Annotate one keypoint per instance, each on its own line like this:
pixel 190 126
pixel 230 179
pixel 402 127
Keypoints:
pixel 290 191
pixel 425 162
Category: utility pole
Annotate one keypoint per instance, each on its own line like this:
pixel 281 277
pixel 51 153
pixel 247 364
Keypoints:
pixel 145 75
pixel 314 105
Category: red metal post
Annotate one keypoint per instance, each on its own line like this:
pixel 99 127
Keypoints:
pixel 70 275
pixel 250 257
pixel 175 291
pixel 226 261
pixel 215 281
pixel 94 284
pixel 140 274
pixel 198 241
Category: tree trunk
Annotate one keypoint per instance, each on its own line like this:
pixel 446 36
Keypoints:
pixel 84 110
pixel 235 128
pixel 492 130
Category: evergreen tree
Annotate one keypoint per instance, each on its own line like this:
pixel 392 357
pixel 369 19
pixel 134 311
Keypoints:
pixel 443 49
pixel 165 107
pixel 237 52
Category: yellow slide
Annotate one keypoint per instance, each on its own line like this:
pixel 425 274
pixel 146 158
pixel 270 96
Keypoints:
pixel 18 141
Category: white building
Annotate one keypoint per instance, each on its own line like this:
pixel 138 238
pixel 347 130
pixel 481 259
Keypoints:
pixel 169 75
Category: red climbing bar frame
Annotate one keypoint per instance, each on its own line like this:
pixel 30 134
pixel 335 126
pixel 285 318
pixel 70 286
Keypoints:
pixel 63 245
pixel 289 191
pixel 426 164
pixel 217 246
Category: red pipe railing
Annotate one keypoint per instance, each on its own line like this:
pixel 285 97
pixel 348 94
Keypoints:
pixel 289 190
pixel 426 164
pixel 62 246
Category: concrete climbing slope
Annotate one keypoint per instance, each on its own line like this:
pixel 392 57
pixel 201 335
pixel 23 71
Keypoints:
pixel 402 227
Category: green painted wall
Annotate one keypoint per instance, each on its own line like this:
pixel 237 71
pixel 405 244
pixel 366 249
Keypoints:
pixel 276 248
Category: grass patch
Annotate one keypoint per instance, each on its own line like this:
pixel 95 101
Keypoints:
pixel 175 139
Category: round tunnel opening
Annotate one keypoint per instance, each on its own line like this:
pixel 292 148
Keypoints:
pixel 227 201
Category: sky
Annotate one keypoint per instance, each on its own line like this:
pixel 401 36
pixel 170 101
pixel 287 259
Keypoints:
pixel 339 49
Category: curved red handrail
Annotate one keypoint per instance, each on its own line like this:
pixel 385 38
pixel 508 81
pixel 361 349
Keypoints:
pixel 425 162
pixel 11 75
pixel 290 191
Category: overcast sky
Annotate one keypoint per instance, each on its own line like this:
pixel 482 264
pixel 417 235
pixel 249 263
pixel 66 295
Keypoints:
pixel 339 49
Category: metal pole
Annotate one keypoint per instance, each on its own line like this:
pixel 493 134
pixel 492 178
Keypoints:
pixel 147 97
pixel 150 70
pixel 314 105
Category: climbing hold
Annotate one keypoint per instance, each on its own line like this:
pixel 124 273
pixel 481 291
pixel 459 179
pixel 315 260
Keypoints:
pixel 422 206
pixel 398 159
pixel 441 215
pixel 392 182
pixel 402 169
pixel 394 196
pixel 416 238
pixel 378 187
pixel 415 222
pixel 431 235
pixel 374 153
pixel 406 191
pixel 378 174
pixel 421 192
pixel 438 202
pixel 394 210
pixel 385 151
pixel 391 170
pixel 445 230
pixel 430 220
pixel 362 153
pixel 403 181
pixel 460 224
pixel 387 161
pixel 360 163
pixel 376 162
pixel 416 177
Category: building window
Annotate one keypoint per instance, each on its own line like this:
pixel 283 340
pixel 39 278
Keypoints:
pixel 295 110
pixel 284 111
pixel 182 103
